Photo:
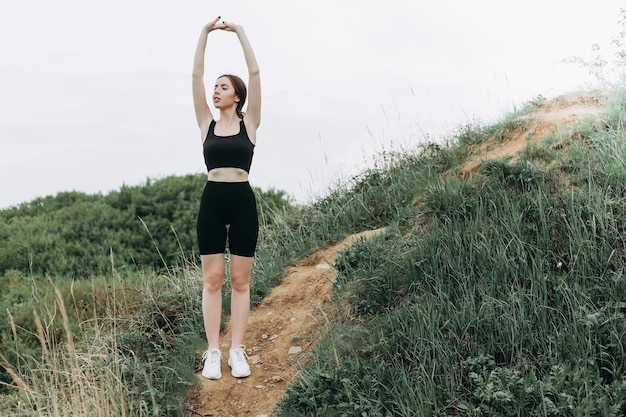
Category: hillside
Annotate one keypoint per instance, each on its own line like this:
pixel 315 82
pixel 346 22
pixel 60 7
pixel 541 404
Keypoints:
pixel 296 312
pixel 484 275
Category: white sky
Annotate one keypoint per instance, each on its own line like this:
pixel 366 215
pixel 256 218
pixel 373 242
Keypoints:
pixel 94 95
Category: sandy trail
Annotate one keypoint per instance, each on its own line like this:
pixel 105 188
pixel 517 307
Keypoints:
pixel 287 319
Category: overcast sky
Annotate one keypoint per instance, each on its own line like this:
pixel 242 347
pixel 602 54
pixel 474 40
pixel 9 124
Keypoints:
pixel 94 95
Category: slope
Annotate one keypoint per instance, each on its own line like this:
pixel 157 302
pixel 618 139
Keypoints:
pixel 292 316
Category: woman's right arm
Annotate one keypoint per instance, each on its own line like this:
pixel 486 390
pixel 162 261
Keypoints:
pixel 203 112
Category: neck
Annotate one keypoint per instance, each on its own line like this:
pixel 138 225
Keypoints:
pixel 229 117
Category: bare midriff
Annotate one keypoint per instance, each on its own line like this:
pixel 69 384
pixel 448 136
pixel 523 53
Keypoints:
pixel 228 175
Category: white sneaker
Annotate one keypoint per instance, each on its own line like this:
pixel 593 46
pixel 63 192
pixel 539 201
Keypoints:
pixel 212 365
pixel 237 361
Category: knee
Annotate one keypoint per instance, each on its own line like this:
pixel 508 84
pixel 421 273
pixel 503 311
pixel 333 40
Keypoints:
pixel 213 281
pixel 240 283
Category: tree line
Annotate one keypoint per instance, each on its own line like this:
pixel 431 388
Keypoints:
pixel 80 235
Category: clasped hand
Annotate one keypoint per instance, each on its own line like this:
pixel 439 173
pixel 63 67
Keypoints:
pixel 217 25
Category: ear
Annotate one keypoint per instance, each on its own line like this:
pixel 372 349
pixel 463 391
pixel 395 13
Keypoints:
pixel 237 99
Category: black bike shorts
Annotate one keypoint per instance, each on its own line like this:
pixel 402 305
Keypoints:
pixel 228 212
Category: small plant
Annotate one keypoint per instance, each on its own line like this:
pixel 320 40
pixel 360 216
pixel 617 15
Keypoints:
pixel 522 174
pixel 348 391
pixel 565 390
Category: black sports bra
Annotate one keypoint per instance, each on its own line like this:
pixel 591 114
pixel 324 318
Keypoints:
pixel 234 151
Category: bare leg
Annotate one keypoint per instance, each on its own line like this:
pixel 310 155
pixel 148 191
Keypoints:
pixel 240 271
pixel 213 278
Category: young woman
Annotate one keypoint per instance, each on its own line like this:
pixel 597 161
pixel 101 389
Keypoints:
pixel 227 199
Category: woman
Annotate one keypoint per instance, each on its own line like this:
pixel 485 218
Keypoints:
pixel 227 198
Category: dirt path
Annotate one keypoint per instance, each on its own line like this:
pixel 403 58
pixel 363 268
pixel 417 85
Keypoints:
pixel 286 321
pixel 288 318
pixel 564 112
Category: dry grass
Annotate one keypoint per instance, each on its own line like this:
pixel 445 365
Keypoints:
pixel 73 378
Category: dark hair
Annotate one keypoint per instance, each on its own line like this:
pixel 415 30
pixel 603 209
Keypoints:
pixel 240 90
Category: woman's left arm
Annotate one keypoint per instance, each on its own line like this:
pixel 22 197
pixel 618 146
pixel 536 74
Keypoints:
pixel 253 112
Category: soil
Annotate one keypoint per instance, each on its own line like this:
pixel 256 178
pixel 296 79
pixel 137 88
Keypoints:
pixel 283 327
pixel 563 113
pixel 291 318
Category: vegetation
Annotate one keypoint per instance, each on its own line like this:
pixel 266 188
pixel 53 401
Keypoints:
pixel 74 234
pixel 110 297
pixel 110 282
pixel 502 295
pixel 497 294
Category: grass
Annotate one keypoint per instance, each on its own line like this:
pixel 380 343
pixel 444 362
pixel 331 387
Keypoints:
pixel 504 296
pixel 145 328
pixel 501 294
pixel 123 347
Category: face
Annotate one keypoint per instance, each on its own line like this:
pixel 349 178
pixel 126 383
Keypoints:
pixel 224 94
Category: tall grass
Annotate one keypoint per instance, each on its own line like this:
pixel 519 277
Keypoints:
pixel 77 378
pixel 132 353
pixel 504 296
pixel 373 199
pixel 499 295
pixel 129 343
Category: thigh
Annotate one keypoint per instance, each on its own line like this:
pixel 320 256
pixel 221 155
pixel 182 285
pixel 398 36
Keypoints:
pixel 211 228
pixel 244 227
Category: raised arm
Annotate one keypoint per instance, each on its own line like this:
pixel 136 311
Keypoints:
pixel 203 112
pixel 253 112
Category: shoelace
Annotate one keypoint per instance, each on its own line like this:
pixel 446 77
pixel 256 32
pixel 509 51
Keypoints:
pixel 240 353
pixel 211 356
